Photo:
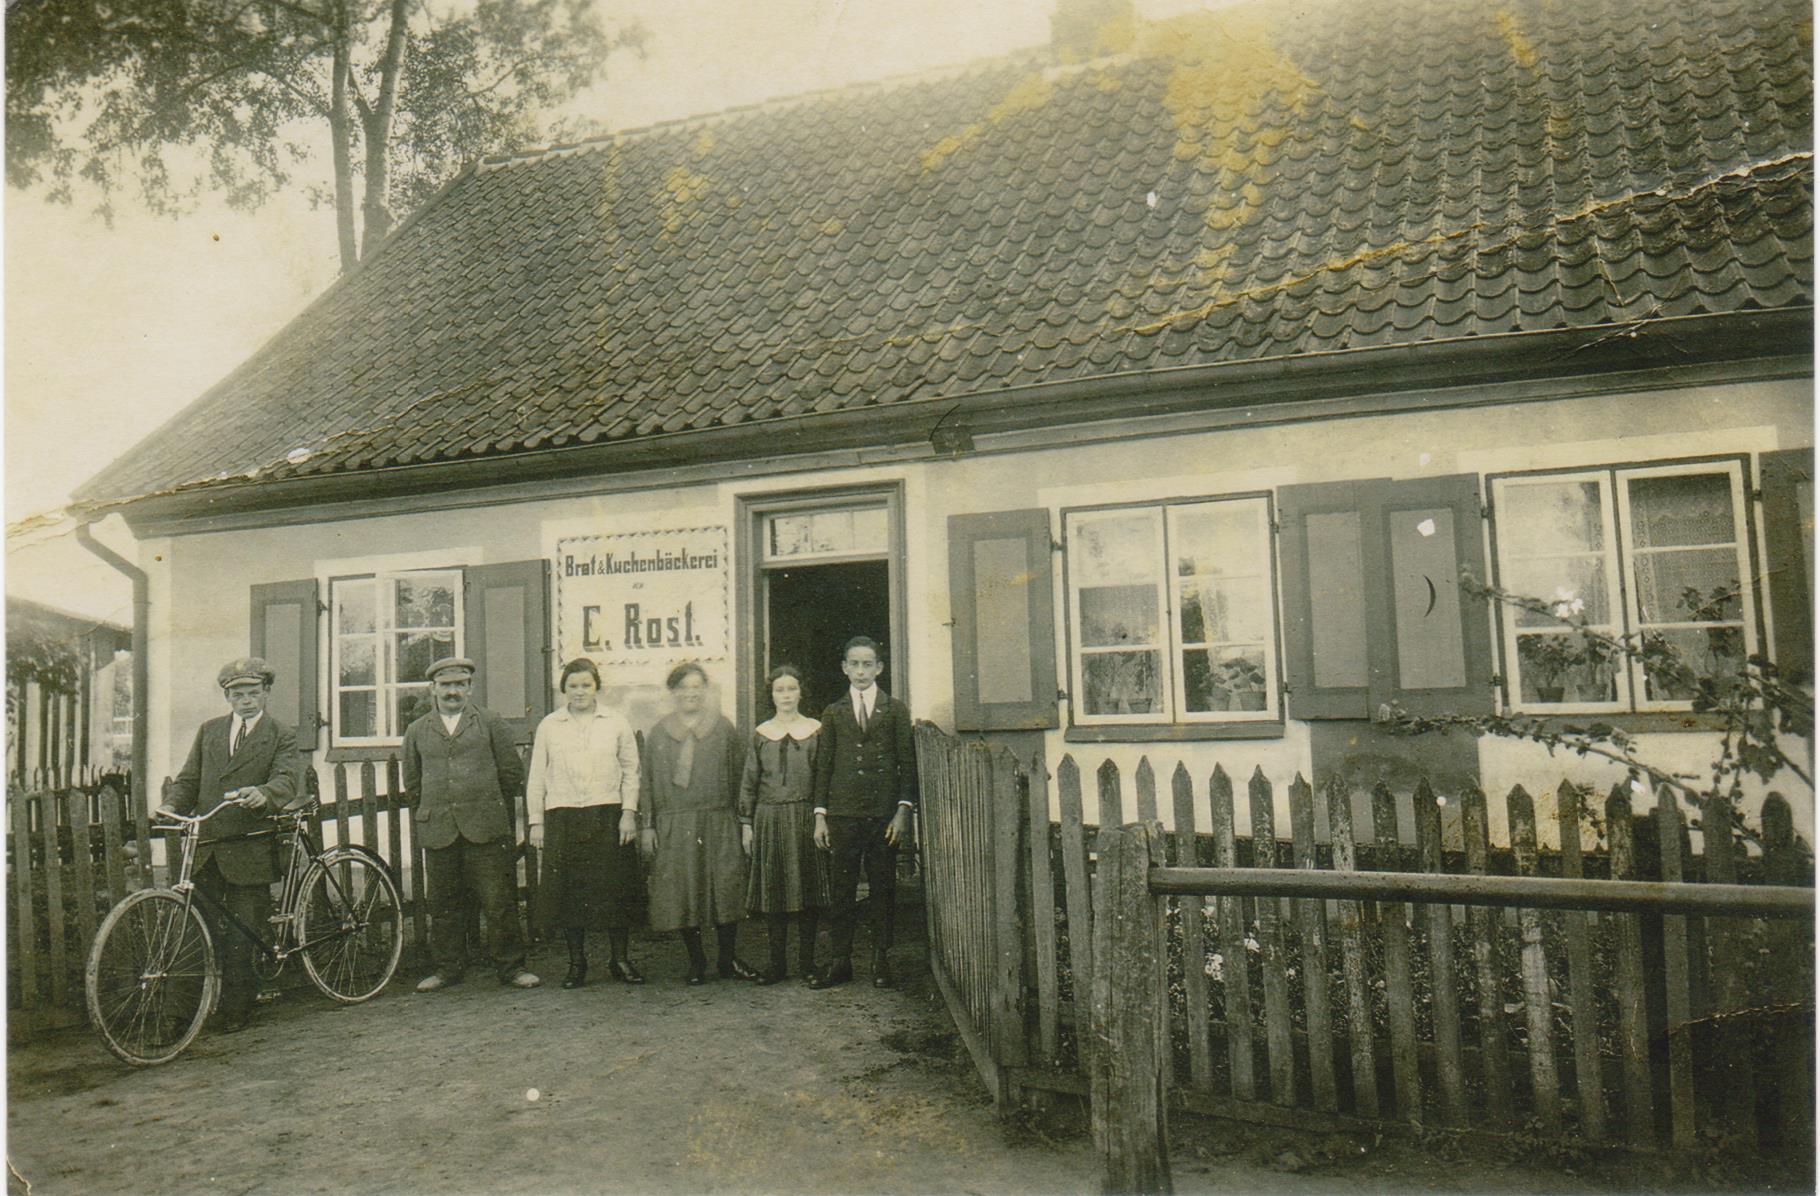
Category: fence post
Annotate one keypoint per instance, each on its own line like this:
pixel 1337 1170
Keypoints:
pixel 1130 1062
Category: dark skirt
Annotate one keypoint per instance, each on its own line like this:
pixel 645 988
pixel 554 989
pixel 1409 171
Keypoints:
pixel 588 881
pixel 789 874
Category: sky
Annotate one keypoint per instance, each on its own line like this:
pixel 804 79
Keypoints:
pixel 110 331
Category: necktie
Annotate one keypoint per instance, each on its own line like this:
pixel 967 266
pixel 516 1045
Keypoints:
pixel 239 738
pixel 860 709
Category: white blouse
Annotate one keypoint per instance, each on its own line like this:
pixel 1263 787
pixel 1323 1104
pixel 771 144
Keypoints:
pixel 582 760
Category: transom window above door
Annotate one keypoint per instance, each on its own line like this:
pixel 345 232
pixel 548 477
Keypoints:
pixel 827 534
pixel 385 630
pixel 1172 614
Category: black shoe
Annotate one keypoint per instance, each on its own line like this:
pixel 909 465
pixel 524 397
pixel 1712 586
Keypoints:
pixel 576 977
pixel 770 976
pixel 882 975
pixel 737 969
pixel 624 971
pixel 832 975
pixel 696 977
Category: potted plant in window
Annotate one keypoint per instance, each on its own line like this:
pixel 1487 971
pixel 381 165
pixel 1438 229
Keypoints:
pixel 1547 659
pixel 1238 684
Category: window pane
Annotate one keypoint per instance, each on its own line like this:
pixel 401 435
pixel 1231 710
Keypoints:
pixel 1219 611
pixel 1225 679
pixel 357 662
pixel 1683 509
pixel 425 602
pixel 353 606
pixel 357 714
pixel 1539 518
pixel 1122 683
pixel 1217 538
pixel 871 530
pixel 409 703
pixel 1118 548
pixel 1709 652
pixel 418 650
pixel 831 531
pixel 1573 587
pixel 1116 615
pixel 1564 667
pixel 1698 586
pixel 789 535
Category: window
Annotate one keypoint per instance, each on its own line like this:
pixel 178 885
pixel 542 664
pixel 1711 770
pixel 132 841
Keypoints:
pixel 385 631
pixel 1660 552
pixel 1171 613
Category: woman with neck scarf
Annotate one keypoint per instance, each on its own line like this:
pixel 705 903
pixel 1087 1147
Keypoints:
pixel 688 829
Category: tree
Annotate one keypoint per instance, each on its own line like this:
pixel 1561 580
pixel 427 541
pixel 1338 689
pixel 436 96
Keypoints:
pixel 236 95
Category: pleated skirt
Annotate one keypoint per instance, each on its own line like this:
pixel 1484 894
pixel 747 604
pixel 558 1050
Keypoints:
pixel 587 880
pixel 788 874
pixel 698 878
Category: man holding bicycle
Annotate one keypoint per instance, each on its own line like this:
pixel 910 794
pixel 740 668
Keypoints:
pixel 247 760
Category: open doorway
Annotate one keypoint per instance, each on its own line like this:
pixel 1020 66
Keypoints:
pixel 810 612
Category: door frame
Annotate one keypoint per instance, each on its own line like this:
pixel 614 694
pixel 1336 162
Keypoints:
pixel 750 511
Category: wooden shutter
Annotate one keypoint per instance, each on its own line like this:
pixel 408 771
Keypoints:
pixel 284 629
pixel 506 634
pixel 1330 568
pixel 1000 586
pixel 1787 480
pixel 1439 652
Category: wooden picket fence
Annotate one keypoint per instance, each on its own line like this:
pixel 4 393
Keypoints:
pixel 1464 1005
pixel 57 894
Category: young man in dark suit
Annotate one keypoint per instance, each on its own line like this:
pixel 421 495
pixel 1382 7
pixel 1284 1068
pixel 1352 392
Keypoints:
pixel 864 792
pixel 247 758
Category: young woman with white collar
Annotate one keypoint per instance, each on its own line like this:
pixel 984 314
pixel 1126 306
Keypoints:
pixel 777 823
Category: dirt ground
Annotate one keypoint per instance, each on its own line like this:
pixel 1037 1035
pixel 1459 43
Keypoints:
pixel 663 1089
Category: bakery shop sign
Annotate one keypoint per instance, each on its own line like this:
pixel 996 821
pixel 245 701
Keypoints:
pixel 643 597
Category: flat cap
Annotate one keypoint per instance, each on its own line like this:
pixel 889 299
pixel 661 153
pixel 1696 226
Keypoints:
pixel 447 663
pixel 245 668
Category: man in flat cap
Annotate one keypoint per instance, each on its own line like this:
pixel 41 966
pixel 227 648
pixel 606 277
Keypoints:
pixel 460 770
pixel 244 757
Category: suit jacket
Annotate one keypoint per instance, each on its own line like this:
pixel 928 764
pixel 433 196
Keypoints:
pixel 268 759
pixel 461 784
pixel 865 773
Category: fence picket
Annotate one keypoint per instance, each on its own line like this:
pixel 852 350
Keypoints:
pixel 1311 922
pixel 83 862
pixel 24 922
pixel 1789 941
pixel 1589 1077
pixel 1484 925
pixel 394 854
pixel 1633 1015
pixel 368 809
pixel 53 900
pixel 1235 965
pixel 1399 990
pixel 142 833
pixel 341 807
pixel 1359 1029
pixel 1078 900
pixel 1007 849
pixel 1538 1012
pixel 1677 976
pixel 1146 791
pixel 113 854
pixel 1736 1097
pixel 1194 938
pixel 1279 1048
pixel 1042 912
pixel 1112 803
pixel 1450 1072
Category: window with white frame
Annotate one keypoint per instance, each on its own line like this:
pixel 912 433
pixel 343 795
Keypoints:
pixel 1657 552
pixel 1172 613
pixel 385 630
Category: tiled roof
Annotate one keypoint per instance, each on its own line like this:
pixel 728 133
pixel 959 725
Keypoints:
pixel 1261 181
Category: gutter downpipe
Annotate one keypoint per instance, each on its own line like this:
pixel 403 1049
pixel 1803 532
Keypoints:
pixel 142 665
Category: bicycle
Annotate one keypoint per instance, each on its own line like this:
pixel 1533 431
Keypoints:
pixel 153 975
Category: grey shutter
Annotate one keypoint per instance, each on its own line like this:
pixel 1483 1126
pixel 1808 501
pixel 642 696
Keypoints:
pixel 1001 595
pixel 1439 657
pixel 284 630
pixel 506 634
pixel 1331 565
pixel 1787 478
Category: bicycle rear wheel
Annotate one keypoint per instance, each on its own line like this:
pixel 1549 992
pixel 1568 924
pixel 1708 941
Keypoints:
pixel 152 977
pixel 350 925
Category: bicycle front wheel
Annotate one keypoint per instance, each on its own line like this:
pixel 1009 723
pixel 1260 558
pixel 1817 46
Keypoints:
pixel 152 977
pixel 350 925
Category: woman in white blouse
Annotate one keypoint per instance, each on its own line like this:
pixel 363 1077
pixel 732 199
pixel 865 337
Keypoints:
pixel 584 789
